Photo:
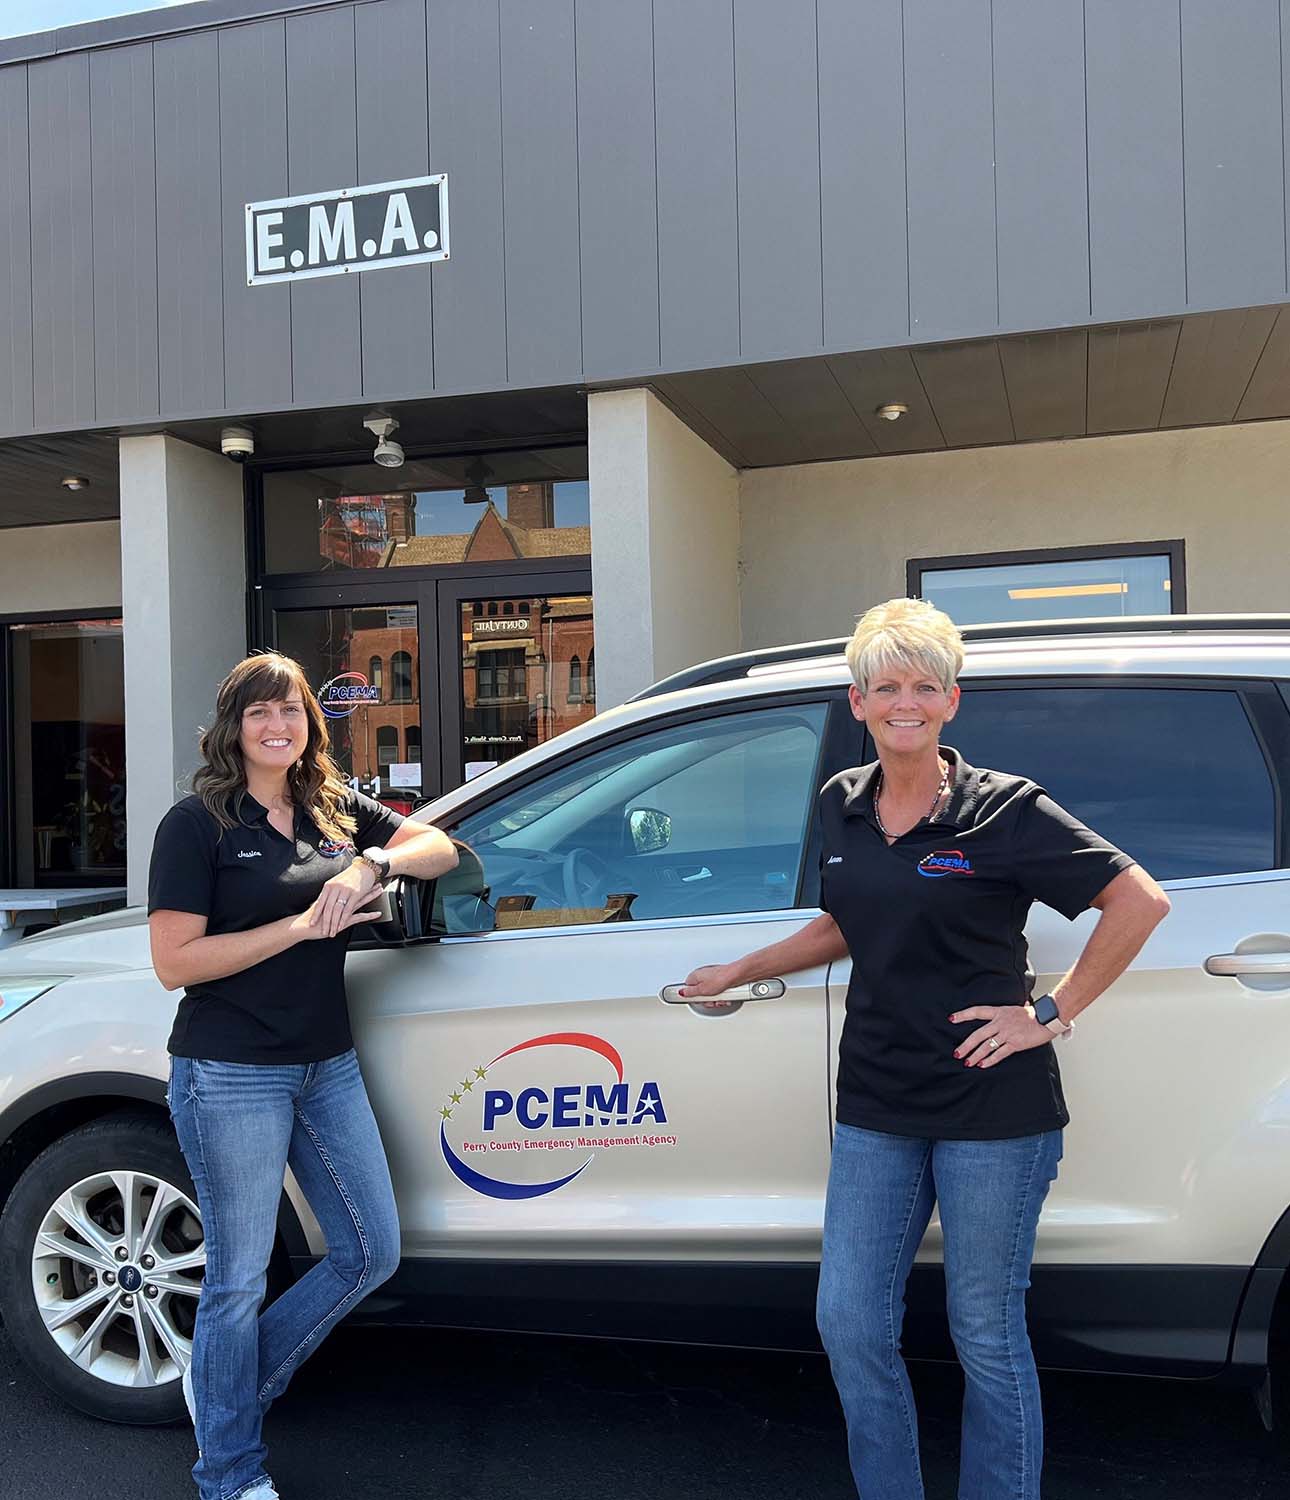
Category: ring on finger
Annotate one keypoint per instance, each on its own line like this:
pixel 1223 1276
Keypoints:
pixel 993 1044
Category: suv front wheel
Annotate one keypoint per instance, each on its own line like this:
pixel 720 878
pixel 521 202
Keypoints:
pixel 101 1263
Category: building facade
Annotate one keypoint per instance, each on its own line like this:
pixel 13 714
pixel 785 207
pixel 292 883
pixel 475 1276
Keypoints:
pixel 729 319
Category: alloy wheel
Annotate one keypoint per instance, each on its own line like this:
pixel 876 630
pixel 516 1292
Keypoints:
pixel 116 1269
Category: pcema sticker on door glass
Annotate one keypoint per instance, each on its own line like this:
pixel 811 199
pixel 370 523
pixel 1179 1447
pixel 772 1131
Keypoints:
pixel 502 1124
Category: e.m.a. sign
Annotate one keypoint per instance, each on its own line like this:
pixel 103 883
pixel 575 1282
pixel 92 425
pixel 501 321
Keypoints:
pixel 351 229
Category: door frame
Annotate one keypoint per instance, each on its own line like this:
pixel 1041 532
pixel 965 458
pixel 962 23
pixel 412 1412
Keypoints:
pixel 438 594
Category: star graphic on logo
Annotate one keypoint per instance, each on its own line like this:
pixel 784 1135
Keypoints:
pixel 481 1072
pixel 456 1098
pixel 446 1112
pixel 466 1084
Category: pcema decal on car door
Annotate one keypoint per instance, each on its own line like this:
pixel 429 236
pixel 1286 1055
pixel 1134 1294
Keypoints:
pixel 506 1121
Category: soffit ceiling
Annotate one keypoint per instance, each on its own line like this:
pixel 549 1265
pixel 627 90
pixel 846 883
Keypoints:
pixel 1201 370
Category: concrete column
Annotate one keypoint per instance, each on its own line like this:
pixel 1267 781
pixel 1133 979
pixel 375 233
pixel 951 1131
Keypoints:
pixel 664 544
pixel 183 583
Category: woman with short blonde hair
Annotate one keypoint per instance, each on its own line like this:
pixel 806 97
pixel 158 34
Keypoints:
pixel 929 866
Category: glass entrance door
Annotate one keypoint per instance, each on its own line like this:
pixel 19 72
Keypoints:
pixel 364 662
pixel 427 683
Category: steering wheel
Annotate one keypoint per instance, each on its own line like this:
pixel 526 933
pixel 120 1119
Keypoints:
pixel 584 876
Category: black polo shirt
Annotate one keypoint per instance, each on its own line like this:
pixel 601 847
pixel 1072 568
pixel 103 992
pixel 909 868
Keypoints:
pixel 290 1008
pixel 934 924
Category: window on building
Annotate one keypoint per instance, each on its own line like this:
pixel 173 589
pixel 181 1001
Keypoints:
pixel 1069 583
pixel 414 743
pixel 589 688
pixel 401 677
pixel 387 745
pixel 376 673
pixel 575 679
pixel 500 674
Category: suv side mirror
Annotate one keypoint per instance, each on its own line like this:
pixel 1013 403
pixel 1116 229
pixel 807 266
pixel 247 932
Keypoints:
pixel 421 910
pixel 649 829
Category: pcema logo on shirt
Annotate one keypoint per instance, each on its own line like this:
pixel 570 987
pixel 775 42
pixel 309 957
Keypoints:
pixel 942 862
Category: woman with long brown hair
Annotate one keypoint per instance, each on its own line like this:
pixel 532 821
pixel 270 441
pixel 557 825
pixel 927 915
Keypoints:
pixel 256 882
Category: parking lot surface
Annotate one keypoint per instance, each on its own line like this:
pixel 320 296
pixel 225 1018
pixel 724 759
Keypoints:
pixel 381 1414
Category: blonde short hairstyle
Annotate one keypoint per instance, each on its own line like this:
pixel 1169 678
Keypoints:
pixel 905 633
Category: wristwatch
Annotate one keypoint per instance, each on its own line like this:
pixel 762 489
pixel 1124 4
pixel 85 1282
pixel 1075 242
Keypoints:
pixel 378 861
pixel 1046 1013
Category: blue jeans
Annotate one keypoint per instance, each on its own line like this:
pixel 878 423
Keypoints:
pixel 240 1125
pixel 882 1189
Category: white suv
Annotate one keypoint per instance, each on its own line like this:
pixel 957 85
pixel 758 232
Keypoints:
pixel 575 1149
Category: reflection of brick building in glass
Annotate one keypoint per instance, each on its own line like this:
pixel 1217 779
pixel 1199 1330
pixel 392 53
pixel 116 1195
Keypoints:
pixel 528 664
pixel 528 672
pixel 354 531
pixel 383 647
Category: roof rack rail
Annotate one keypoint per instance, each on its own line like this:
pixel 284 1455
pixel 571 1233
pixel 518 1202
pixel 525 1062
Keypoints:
pixel 728 668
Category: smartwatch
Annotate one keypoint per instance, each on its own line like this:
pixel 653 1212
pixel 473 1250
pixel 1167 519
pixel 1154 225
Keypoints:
pixel 1046 1013
pixel 379 863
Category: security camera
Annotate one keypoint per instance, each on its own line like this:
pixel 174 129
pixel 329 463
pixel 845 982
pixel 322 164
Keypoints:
pixel 388 454
pixel 237 443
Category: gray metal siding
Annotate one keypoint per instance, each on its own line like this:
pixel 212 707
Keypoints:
pixel 253 153
pixel 124 218
pixel 393 143
pixel 540 190
pixel 777 145
pixel 1232 148
pixel 466 137
pixel 1137 243
pixel 1040 180
pixel 865 249
pixel 190 293
pixel 651 186
pixel 62 277
pixel 617 217
pixel 322 153
pixel 698 213
pixel 16 414
pixel 949 124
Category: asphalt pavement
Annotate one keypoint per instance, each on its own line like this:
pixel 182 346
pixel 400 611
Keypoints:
pixel 452 1416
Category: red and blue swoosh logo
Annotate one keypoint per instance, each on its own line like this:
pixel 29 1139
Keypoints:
pixel 942 862
pixel 497 1187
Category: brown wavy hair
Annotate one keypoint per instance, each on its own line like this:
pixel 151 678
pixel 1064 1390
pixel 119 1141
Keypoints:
pixel 315 781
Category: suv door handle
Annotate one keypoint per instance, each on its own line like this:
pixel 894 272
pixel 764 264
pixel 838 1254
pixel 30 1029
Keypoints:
pixel 1237 964
pixel 727 1000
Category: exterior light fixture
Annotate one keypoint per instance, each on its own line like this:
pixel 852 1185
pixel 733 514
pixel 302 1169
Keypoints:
pixel 892 411
pixel 388 454
pixel 75 482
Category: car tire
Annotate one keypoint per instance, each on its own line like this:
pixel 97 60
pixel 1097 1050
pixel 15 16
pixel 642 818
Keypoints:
pixel 74 1181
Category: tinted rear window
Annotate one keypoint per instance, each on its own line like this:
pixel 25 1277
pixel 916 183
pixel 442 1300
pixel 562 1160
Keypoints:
pixel 1174 776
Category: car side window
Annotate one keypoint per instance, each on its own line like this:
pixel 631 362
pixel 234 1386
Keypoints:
pixel 1173 776
pixel 695 819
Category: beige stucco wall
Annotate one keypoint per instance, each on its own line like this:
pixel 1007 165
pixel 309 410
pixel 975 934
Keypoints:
pixel 60 567
pixel 820 543
pixel 664 544
pixel 185 618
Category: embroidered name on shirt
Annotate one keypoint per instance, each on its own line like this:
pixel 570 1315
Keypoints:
pixel 833 859
pixel 943 862
pixel 249 853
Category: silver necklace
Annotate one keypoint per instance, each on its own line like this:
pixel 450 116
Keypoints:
pixel 931 811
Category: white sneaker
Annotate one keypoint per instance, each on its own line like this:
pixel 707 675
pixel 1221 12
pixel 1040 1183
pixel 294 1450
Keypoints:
pixel 262 1491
